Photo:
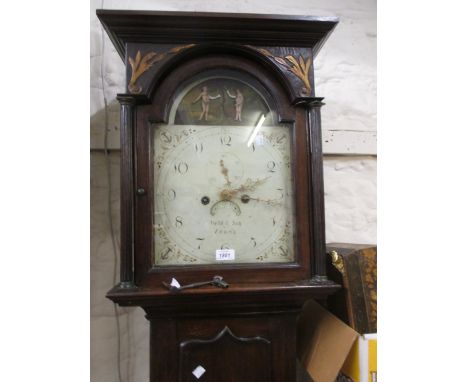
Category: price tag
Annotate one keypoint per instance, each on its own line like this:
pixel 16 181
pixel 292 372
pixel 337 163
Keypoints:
pixel 225 254
pixel 198 371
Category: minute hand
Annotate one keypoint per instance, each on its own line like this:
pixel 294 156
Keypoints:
pixel 270 202
pixel 249 185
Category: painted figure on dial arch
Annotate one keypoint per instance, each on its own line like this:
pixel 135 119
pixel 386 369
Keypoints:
pixel 205 100
pixel 239 103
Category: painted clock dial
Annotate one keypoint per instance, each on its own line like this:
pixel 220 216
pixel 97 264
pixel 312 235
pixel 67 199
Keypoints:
pixel 222 178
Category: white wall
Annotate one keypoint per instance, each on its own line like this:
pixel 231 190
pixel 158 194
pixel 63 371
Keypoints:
pixel 345 76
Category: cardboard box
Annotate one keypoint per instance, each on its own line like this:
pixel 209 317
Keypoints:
pixel 323 342
pixel 361 363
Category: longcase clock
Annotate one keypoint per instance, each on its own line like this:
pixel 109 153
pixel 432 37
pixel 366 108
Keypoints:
pixel 222 210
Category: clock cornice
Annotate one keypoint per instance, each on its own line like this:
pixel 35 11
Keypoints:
pixel 165 27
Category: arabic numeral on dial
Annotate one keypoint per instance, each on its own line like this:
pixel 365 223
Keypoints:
pixel 280 139
pixel 199 147
pixel 253 242
pixel 178 222
pixel 181 168
pixel 226 140
pixel 283 252
pixel 165 137
pixel 253 147
pixel 165 254
pixel 171 194
pixel 271 166
pixel 200 240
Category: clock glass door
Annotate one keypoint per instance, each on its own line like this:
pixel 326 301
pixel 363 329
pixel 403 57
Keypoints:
pixel 223 187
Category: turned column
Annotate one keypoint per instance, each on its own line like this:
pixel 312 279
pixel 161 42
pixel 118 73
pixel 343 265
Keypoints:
pixel 312 106
pixel 127 185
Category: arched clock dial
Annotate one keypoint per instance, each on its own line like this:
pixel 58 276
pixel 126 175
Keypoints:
pixel 222 178
pixel 214 190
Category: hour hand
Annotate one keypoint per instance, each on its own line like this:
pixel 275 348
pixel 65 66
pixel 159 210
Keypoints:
pixel 251 185
pixel 225 172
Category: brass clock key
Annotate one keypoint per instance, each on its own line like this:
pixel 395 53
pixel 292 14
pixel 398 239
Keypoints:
pixel 217 282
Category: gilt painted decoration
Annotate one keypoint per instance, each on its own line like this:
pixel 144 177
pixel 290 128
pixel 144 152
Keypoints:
pixel 141 63
pixel 295 64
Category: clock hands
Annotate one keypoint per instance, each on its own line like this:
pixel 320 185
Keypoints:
pixel 225 172
pixel 271 202
pixel 249 185
pixel 228 193
pixel 244 199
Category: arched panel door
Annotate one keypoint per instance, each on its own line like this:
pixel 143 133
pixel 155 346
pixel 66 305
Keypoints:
pixel 223 170
pixel 212 358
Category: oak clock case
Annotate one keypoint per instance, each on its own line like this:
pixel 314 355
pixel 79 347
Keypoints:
pixel 221 188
